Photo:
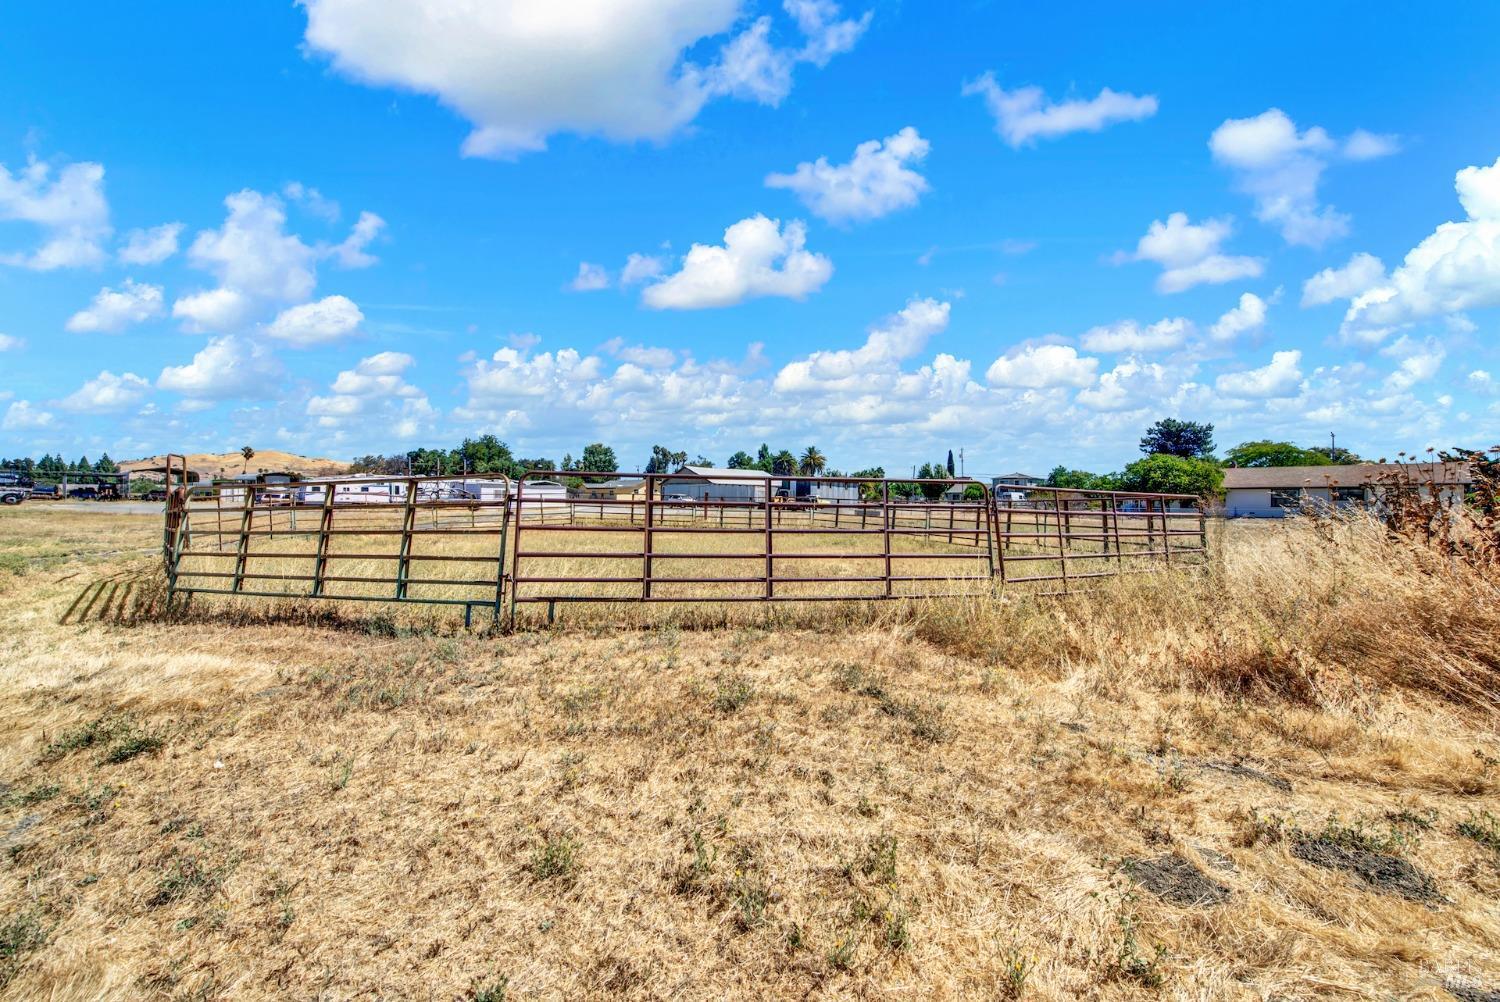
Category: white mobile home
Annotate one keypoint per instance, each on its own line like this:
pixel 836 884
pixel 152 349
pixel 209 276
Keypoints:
pixel 353 490
pixel 1278 491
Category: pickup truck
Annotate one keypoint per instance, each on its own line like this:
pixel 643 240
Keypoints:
pixel 14 488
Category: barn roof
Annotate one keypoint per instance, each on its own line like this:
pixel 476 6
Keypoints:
pixel 715 475
pixel 1357 474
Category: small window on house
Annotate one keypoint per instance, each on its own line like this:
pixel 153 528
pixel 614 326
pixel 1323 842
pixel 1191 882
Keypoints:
pixel 1348 495
pixel 1288 499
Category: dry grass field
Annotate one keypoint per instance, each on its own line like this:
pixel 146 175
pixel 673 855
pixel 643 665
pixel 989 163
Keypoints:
pixel 1279 779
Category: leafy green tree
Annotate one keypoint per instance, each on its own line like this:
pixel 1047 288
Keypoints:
pixel 951 467
pixel 973 492
pixel 1333 455
pixel 1167 474
pixel 870 492
pixel 784 463
pixel 598 458
pixel 523 465
pixel 1080 480
pixel 741 460
pixel 1266 453
pixel 932 471
pixel 105 465
pixel 664 460
pixel 764 459
pixel 703 460
pixel 485 454
pixel 1172 437
pixel 812 462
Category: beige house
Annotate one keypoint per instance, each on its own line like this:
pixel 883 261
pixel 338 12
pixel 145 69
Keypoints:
pixel 614 490
pixel 1276 491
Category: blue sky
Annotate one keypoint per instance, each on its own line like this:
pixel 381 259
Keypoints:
pixel 890 229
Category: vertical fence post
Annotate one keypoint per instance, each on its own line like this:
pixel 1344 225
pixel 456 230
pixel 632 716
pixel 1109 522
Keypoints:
pixel 1114 518
pixel 770 541
pixel 651 486
pixel 408 523
pixel 1062 548
pixel 1166 531
pixel 515 558
pixel 325 524
pixel 500 559
pixel 885 522
pixel 247 522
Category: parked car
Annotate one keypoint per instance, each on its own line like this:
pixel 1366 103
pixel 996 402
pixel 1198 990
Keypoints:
pixel 44 491
pixel 84 493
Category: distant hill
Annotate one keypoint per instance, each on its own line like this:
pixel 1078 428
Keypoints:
pixel 232 462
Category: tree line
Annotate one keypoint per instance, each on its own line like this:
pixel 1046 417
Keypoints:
pixel 51 467
pixel 1179 458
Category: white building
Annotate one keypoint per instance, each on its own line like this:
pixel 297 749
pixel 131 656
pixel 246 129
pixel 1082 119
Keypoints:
pixel 1013 480
pixel 706 483
pixel 1277 491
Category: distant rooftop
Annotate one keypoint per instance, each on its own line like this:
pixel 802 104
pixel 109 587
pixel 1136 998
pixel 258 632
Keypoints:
pixel 1354 475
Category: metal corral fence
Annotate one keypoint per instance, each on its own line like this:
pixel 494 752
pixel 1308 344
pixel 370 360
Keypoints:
pixel 496 543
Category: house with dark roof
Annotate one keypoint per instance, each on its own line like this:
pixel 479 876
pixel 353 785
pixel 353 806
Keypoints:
pixel 1277 491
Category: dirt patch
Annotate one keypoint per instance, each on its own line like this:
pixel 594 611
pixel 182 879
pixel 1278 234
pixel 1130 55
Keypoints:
pixel 1390 874
pixel 1174 879
pixel 1248 772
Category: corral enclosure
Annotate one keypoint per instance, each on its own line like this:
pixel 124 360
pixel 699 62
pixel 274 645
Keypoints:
pixel 523 542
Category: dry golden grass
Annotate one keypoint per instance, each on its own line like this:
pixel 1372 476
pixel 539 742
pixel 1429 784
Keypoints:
pixel 911 801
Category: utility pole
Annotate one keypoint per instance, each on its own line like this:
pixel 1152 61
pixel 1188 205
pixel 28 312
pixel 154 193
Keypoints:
pixel 1333 448
pixel 960 461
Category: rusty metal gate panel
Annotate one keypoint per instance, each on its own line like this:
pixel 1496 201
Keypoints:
pixel 738 541
pixel 370 539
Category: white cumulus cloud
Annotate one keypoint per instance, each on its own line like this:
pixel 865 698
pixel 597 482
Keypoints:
pixel 328 319
pixel 758 258
pixel 1041 366
pixel 1280 167
pixel 1249 314
pixel 115 309
pixel 226 367
pixel 526 69
pixel 375 389
pixel 1189 253
pixel 1362 273
pixel 1128 335
pixel 107 393
pixel 151 246
pixel 895 338
pixel 351 253
pixel 22 416
pixel 590 278
pixel 1026 114
pixel 1456 268
pixel 877 181
pixel 69 208
pixel 11 343
pixel 1282 377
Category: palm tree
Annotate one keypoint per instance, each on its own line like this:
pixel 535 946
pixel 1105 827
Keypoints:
pixel 249 454
pixel 783 463
pixel 813 461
